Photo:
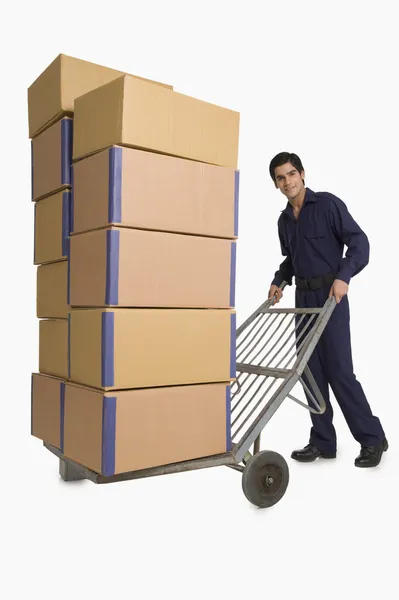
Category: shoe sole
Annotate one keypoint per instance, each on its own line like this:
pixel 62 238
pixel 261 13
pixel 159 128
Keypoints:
pixel 309 460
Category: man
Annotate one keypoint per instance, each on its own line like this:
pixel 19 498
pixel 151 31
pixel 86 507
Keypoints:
pixel 313 229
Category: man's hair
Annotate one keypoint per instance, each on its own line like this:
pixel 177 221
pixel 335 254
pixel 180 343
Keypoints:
pixel 281 159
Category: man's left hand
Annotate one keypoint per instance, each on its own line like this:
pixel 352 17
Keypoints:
pixel 338 289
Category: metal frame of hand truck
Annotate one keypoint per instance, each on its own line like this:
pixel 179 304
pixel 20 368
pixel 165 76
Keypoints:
pixel 265 473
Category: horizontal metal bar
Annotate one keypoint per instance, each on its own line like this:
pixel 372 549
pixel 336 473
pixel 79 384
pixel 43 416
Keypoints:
pixel 257 370
pixel 297 311
pixel 190 465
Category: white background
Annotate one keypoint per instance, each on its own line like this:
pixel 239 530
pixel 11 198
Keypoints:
pixel 315 78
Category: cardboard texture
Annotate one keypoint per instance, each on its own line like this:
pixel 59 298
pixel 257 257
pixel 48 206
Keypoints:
pixel 47 410
pixel 52 159
pixel 137 268
pixel 52 291
pixel 53 93
pixel 53 347
pixel 52 218
pixel 131 112
pixel 125 431
pixel 135 188
pixel 133 348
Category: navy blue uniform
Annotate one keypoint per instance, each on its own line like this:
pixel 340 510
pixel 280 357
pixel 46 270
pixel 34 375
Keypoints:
pixel 313 246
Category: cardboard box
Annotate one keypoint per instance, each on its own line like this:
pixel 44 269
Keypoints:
pixel 52 159
pixel 53 347
pixel 136 429
pixel 142 189
pixel 132 267
pixel 131 112
pixel 138 348
pixel 47 410
pixel 52 291
pixel 52 218
pixel 53 93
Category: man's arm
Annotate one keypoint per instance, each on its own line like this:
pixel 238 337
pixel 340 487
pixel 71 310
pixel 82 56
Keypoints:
pixel 286 270
pixel 348 231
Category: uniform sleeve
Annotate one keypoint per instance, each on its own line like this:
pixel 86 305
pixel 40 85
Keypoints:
pixel 286 270
pixel 349 233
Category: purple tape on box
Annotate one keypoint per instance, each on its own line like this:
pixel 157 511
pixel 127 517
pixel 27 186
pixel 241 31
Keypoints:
pixel 107 349
pixel 236 200
pixel 108 436
pixel 66 150
pixel 62 415
pixel 115 186
pixel 112 268
pixel 233 369
pixel 228 418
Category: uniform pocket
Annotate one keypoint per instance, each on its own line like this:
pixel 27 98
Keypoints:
pixel 316 231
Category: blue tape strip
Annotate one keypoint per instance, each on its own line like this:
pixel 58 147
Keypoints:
pixel 69 345
pixel 233 365
pixel 66 197
pixel 233 262
pixel 69 273
pixel 236 198
pixel 115 186
pixel 34 232
pixel 31 405
pixel 66 151
pixel 108 441
pixel 32 169
pixel 112 268
pixel 72 201
pixel 62 415
pixel 107 349
pixel 228 418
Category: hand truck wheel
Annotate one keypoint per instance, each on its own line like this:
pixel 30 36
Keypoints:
pixel 265 478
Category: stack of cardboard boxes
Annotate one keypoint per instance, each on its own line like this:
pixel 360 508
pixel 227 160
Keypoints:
pixel 136 284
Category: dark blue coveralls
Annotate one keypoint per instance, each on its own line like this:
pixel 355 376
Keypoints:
pixel 313 246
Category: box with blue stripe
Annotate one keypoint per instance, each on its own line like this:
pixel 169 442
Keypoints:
pixel 47 409
pixel 122 431
pixel 138 268
pixel 52 228
pixel 132 188
pixel 126 348
pixel 52 159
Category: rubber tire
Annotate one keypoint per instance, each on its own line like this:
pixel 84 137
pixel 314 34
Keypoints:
pixel 263 464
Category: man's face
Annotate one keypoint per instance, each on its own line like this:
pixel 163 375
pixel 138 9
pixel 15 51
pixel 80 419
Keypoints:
pixel 289 180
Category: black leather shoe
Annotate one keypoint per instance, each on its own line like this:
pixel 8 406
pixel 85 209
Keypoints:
pixel 370 456
pixel 310 453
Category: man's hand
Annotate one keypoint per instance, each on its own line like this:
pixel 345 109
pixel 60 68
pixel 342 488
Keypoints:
pixel 275 290
pixel 338 289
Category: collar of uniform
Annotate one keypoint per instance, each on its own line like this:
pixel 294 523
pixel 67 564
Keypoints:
pixel 310 196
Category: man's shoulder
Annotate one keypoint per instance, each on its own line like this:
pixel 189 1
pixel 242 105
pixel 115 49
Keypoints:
pixel 327 199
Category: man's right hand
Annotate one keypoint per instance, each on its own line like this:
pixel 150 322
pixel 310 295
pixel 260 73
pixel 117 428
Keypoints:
pixel 278 292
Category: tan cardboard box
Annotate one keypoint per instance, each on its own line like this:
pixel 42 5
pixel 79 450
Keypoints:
pixel 52 94
pixel 52 218
pixel 52 159
pixel 136 429
pixel 133 267
pixel 52 291
pixel 47 411
pixel 53 347
pixel 138 348
pixel 142 189
pixel 131 112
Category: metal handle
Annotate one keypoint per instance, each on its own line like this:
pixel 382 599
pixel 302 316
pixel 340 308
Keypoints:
pixel 272 299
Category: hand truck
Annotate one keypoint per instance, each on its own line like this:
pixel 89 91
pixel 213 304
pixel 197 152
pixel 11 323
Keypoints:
pixel 273 348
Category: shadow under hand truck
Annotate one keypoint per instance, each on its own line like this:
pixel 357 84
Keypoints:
pixel 274 346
